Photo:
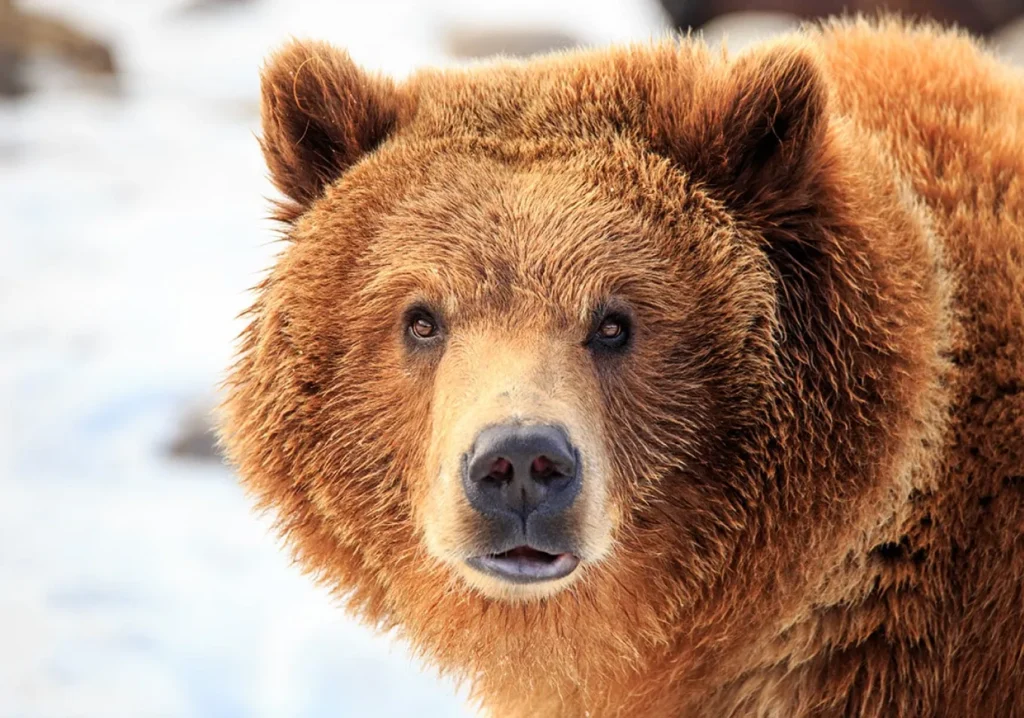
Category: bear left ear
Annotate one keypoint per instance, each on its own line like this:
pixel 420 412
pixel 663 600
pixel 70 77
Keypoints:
pixel 755 134
pixel 320 114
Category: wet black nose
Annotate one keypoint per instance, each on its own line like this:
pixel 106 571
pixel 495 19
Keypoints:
pixel 521 470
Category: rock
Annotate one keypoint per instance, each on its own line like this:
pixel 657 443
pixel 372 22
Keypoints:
pixel 1009 42
pixel 195 439
pixel 12 84
pixel 981 17
pixel 468 42
pixel 194 7
pixel 27 34
pixel 742 29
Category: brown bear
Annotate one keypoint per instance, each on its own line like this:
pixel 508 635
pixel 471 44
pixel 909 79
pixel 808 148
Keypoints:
pixel 650 381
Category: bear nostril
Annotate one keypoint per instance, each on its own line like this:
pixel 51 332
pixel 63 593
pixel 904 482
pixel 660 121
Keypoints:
pixel 501 471
pixel 515 469
pixel 543 469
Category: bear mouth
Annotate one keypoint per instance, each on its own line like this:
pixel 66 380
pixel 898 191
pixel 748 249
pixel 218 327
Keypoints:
pixel 525 564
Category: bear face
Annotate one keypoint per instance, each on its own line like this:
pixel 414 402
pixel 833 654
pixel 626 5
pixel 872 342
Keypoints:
pixel 516 291
pixel 576 337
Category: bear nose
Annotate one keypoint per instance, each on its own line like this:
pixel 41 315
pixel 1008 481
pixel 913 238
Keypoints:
pixel 521 469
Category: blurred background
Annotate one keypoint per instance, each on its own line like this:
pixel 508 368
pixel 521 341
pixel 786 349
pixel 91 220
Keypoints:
pixel 134 579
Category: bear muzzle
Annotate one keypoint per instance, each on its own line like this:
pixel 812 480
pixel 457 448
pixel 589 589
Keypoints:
pixel 522 481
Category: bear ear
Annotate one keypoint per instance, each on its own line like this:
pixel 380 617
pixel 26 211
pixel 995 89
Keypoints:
pixel 320 114
pixel 759 131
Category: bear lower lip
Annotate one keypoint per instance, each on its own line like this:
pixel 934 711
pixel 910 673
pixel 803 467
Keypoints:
pixel 524 564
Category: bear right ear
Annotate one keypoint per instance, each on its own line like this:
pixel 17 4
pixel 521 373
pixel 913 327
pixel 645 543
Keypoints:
pixel 320 114
pixel 755 132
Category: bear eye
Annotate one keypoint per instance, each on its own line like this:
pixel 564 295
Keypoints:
pixel 612 332
pixel 610 329
pixel 421 326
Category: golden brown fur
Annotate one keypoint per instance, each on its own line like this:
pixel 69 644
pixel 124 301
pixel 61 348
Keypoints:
pixel 811 498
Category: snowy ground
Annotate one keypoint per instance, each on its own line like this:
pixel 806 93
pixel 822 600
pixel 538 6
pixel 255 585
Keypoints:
pixel 131 224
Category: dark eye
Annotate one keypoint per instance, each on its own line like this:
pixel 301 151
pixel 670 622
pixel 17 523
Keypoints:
pixel 422 326
pixel 612 332
pixel 611 328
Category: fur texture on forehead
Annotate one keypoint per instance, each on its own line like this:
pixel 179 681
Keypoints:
pixel 781 417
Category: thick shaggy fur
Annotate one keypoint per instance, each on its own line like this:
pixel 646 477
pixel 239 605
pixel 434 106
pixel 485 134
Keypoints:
pixel 815 444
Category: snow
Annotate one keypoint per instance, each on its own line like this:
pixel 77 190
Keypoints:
pixel 131 225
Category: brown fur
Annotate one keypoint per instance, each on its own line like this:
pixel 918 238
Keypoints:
pixel 814 451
